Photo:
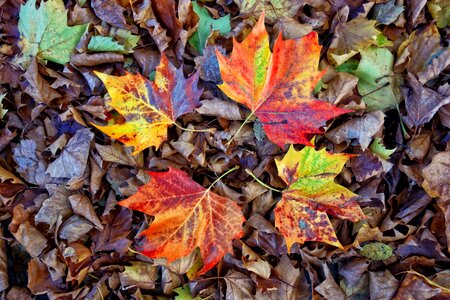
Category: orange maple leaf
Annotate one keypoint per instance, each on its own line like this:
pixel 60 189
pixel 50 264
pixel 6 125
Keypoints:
pixel 277 87
pixel 186 216
pixel 149 108
pixel 301 215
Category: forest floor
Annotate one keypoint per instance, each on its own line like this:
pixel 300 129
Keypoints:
pixel 75 141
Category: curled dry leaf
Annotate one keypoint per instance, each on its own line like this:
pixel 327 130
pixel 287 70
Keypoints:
pixel 24 232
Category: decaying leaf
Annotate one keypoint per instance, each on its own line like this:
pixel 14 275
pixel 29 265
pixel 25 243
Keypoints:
pixel 312 193
pixel 436 176
pixel 149 108
pixel 276 90
pixel 440 10
pixel 421 103
pixel 362 129
pixel 274 9
pixel 352 37
pixel 186 216
pixel 73 159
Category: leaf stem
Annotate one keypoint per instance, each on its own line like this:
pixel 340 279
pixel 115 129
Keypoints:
pixel 249 172
pixel 239 130
pixel 223 175
pixel 193 130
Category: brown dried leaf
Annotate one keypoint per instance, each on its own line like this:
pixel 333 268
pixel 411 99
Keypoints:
pixel 254 263
pixel 360 128
pixel 57 205
pixel 74 228
pixel 82 206
pixel 117 153
pixel 414 287
pixel 339 88
pixel 140 274
pixel 383 285
pixel 37 86
pixel 436 176
pixel 73 159
pixel 25 233
pixel 421 103
pixel 239 286
pixel 110 12
pixel 220 108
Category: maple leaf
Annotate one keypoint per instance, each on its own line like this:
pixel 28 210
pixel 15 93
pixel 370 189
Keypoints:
pixel 186 216
pixel 149 108
pixel 312 193
pixel 277 86
pixel 45 33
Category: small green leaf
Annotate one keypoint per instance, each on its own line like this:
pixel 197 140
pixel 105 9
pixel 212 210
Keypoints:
pixel 379 149
pixel 184 293
pixel 126 38
pixel 440 11
pixel 382 41
pixel 104 44
pixel 205 26
pixel 119 40
pixel 349 66
pixel 318 87
pixel 376 251
pixel 45 34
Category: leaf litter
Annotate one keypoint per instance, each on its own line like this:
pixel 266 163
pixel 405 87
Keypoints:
pixel 146 104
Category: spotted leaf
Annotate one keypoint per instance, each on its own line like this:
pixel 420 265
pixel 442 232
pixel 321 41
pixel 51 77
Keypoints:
pixel 277 87
pixel 149 108
pixel 312 193
pixel 186 216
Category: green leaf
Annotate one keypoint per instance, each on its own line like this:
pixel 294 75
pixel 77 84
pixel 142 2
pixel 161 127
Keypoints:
pixel 45 33
pixel 376 84
pixel 379 149
pixel 205 25
pixel 376 251
pixel 440 11
pixel 2 111
pixel 119 40
pixel 126 38
pixel 184 293
pixel 104 44
pixel 349 66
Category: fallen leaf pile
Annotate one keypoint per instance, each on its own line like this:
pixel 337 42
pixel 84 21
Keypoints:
pixel 232 149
